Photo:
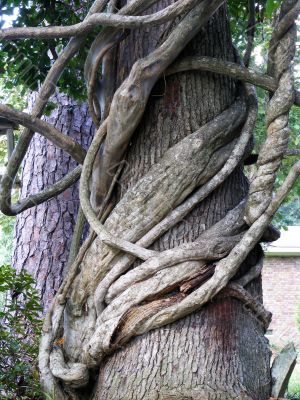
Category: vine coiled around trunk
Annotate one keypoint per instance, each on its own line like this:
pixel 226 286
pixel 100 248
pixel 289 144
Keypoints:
pixel 103 305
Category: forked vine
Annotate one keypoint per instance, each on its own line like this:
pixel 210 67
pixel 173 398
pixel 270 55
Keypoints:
pixel 109 302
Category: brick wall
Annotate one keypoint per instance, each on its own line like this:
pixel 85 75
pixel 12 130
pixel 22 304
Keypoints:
pixel 281 288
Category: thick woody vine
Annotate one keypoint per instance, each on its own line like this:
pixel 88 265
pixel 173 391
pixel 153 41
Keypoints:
pixel 110 302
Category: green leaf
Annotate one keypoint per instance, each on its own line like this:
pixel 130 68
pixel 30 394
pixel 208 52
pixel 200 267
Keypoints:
pixel 271 6
pixel 19 335
pixel 49 108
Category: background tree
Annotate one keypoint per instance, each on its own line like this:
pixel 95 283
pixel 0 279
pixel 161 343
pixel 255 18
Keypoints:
pixel 43 234
pixel 104 307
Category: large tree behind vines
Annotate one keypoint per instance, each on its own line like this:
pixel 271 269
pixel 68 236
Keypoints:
pixel 163 299
pixel 43 234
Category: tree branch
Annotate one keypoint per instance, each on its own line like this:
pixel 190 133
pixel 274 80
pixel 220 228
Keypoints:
pixel 257 308
pixel 179 213
pixel 64 142
pixel 44 94
pixel 114 20
pixel 76 374
pixel 252 274
pixel 39 198
pixel 250 32
pixel 227 68
pixel 283 26
pixel 292 152
pixel 210 249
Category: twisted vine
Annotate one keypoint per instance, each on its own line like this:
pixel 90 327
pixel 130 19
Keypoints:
pixel 275 146
pixel 108 303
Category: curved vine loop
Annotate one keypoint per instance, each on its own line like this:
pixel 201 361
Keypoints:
pixel 62 141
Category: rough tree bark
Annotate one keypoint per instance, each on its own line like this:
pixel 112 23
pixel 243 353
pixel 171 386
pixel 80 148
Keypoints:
pixel 182 134
pixel 43 233
pixel 219 352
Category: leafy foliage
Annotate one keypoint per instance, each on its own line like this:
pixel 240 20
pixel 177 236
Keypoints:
pixel 14 96
pixel 264 10
pixel 25 63
pixel 17 99
pixel 294 385
pixel 6 238
pixel 288 214
pixel 6 223
pixel 19 332
pixel 271 6
pixel 298 317
pixel 293 396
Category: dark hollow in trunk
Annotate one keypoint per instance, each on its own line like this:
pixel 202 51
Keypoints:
pixel 219 352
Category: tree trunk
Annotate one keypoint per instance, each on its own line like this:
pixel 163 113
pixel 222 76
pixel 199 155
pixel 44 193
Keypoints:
pixel 43 234
pixel 219 352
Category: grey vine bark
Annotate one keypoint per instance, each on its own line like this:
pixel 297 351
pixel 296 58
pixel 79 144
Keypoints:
pixel 43 234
